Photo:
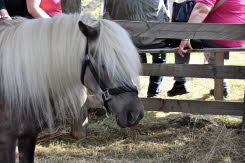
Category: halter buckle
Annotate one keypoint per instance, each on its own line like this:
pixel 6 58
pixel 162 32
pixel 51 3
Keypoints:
pixel 106 95
pixel 87 58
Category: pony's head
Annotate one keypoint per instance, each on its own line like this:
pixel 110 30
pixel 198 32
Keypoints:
pixel 111 68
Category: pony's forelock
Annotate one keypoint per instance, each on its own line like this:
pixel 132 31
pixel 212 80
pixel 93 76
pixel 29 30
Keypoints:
pixel 118 53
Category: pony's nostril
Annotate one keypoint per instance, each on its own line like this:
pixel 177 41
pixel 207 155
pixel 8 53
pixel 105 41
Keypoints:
pixel 130 117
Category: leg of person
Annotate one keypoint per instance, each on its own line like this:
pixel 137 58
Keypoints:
pixel 179 87
pixel 104 7
pixel 210 44
pixel 155 81
pixel 166 3
pixel 143 58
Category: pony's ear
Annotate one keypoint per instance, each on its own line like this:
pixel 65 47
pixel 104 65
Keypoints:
pixel 88 31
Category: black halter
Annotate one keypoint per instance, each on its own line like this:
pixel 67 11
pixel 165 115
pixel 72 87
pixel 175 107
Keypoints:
pixel 107 92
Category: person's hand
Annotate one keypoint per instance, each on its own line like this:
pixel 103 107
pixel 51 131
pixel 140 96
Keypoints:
pixel 4 14
pixel 184 44
pixel 107 16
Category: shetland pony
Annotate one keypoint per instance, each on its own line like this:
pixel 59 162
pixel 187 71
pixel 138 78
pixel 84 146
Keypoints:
pixel 47 66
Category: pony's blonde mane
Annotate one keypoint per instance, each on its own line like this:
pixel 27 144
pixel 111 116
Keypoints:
pixel 41 62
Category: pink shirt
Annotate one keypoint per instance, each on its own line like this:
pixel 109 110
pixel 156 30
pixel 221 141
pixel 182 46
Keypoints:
pixel 231 11
pixel 51 7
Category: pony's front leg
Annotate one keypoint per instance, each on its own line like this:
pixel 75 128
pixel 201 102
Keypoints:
pixel 7 146
pixel 26 146
pixel 79 126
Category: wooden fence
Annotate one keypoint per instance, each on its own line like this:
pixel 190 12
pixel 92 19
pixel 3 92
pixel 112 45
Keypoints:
pixel 217 71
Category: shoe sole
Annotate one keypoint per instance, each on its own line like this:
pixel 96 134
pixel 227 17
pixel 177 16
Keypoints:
pixel 177 94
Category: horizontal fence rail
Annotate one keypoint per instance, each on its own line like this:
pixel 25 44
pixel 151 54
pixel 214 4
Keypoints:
pixel 186 106
pixel 194 106
pixel 170 50
pixel 192 70
pixel 184 30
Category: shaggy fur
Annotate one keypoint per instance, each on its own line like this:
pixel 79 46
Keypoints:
pixel 41 61
pixel 137 10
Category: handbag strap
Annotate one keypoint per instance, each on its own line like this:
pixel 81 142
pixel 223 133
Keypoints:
pixel 217 5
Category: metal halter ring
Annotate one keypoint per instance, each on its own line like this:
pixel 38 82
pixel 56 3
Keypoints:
pixel 106 95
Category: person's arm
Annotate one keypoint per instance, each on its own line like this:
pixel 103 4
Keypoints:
pixel 3 12
pixel 34 9
pixel 198 14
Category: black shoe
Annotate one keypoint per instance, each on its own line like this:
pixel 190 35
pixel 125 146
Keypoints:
pixel 179 88
pixel 226 92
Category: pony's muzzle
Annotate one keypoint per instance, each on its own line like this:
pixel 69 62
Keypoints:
pixel 129 118
pixel 134 118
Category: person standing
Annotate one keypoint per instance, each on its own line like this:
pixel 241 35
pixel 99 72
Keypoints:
pixel 142 10
pixel 30 8
pixel 209 11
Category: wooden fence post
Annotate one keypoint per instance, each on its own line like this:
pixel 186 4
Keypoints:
pixel 243 118
pixel 80 126
pixel 218 83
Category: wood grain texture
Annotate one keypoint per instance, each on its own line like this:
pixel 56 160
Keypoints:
pixel 192 70
pixel 48 136
pixel 193 106
pixel 218 83
pixel 170 50
pixel 243 118
pixel 184 30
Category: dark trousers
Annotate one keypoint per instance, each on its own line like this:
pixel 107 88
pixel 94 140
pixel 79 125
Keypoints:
pixel 197 44
pixel 155 81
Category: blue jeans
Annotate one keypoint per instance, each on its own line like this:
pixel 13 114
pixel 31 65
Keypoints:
pixel 104 7
pixel 155 81
pixel 186 59
pixel 166 3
